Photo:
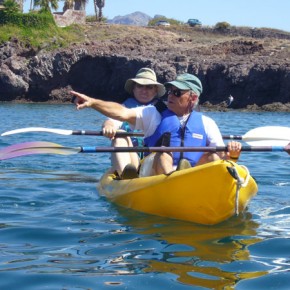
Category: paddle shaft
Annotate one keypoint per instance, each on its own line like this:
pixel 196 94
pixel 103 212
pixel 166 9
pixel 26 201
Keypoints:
pixel 232 137
pixel 135 134
pixel 89 133
pixel 92 149
pixel 40 147
pixel 100 133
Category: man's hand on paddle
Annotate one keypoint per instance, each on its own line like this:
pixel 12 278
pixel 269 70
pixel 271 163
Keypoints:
pixel 234 150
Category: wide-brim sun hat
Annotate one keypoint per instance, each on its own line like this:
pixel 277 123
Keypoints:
pixel 187 82
pixel 145 77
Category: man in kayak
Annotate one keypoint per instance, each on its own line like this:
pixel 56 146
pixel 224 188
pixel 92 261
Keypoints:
pixel 178 125
pixel 144 90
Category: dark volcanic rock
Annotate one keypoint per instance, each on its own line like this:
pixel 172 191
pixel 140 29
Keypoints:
pixel 255 71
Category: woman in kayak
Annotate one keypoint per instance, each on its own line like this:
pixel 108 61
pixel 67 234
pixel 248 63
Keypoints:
pixel 144 90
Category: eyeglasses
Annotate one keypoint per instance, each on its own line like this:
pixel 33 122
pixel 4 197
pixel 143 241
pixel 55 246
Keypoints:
pixel 148 87
pixel 176 93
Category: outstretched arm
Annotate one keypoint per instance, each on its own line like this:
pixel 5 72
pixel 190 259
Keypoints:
pixel 110 109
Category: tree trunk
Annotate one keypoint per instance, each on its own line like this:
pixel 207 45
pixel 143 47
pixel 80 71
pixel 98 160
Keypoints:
pixel 80 5
pixel 96 9
pixel 100 4
pixel 20 3
pixel 100 14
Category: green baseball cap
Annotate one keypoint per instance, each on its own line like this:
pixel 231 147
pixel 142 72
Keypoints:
pixel 187 82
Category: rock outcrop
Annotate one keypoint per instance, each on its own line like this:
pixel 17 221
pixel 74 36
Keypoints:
pixel 255 70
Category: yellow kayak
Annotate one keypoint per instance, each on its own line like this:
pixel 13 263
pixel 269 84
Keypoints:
pixel 206 194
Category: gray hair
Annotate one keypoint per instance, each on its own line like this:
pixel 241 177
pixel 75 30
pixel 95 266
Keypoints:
pixel 197 100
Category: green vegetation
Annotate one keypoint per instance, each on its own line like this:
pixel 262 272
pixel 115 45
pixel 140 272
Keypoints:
pixel 40 31
pixel 37 28
pixel 11 15
pixel 46 4
pixel 93 18
pixel 153 21
pixel 11 6
pixel 49 36
pixel 26 20
pixel 222 25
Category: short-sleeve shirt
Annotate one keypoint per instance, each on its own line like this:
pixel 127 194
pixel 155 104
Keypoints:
pixel 148 118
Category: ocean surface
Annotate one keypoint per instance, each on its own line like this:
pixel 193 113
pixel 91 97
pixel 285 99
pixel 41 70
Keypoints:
pixel 56 232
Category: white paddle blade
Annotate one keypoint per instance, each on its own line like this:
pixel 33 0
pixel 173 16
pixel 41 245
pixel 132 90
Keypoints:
pixel 268 136
pixel 38 129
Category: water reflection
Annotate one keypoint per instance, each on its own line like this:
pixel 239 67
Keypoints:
pixel 49 175
pixel 214 257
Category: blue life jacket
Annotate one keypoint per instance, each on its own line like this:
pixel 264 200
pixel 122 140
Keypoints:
pixel 191 135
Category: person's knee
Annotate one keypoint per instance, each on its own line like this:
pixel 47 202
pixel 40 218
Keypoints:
pixel 121 142
pixel 213 157
pixel 163 163
pixel 208 157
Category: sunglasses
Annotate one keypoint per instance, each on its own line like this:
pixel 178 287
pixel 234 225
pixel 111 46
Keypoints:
pixel 176 93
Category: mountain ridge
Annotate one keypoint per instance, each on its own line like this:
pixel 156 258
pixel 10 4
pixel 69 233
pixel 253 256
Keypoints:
pixel 136 18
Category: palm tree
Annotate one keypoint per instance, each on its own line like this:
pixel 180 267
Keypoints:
pixel 68 4
pixel 80 4
pixel 20 3
pixel 31 5
pixel 12 6
pixel 100 4
pixel 46 4
pixel 96 9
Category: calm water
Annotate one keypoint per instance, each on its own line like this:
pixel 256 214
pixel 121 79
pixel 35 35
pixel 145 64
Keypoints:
pixel 56 232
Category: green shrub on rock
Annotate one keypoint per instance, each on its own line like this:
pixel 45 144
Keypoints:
pixel 41 20
pixel 222 25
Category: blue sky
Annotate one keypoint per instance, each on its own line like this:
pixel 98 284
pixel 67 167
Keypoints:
pixel 252 13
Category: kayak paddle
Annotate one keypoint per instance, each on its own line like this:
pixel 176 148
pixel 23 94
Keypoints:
pixel 269 134
pixel 67 132
pixel 39 147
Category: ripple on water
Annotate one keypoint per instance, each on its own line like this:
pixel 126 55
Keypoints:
pixel 272 281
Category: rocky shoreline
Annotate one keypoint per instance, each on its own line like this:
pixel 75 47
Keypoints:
pixel 254 69
pixel 205 107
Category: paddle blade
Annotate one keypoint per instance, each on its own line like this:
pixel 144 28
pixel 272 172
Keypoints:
pixel 268 136
pixel 30 148
pixel 37 129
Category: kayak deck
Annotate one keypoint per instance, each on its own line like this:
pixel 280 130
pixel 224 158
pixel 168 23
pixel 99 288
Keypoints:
pixel 205 194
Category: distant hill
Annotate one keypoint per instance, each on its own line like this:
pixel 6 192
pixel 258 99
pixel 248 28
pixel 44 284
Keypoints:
pixel 136 18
